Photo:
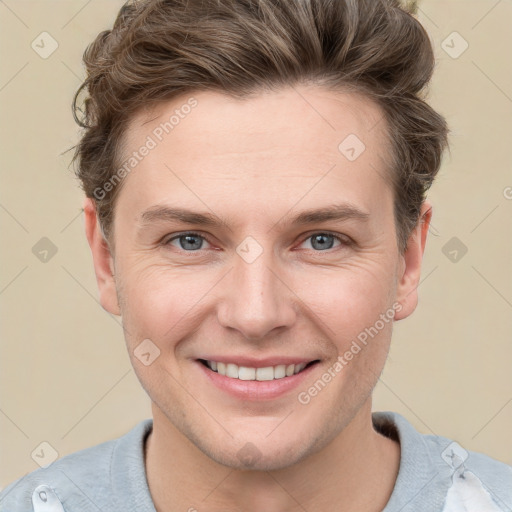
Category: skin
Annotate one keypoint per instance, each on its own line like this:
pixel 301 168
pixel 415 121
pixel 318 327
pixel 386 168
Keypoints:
pixel 257 163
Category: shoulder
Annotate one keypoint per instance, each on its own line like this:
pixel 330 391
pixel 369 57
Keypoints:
pixel 473 477
pixel 78 481
pixel 455 455
pixel 80 469
pixel 442 472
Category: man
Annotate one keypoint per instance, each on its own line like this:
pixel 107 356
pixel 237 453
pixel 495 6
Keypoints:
pixel 255 174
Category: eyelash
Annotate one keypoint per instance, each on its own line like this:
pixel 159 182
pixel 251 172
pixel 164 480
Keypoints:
pixel 343 239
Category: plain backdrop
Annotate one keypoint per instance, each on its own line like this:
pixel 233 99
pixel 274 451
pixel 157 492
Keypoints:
pixel 66 378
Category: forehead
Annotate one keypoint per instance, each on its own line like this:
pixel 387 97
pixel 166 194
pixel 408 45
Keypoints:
pixel 210 145
pixel 323 113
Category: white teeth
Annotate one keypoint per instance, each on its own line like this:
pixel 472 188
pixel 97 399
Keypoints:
pixel 245 373
pixel 299 367
pixel 279 371
pixel 221 368
pixel 266 373
pixel 232 371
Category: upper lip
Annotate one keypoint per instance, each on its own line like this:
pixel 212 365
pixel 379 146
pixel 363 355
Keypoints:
pixel 252 362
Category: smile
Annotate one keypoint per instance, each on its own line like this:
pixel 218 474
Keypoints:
pixel 267 373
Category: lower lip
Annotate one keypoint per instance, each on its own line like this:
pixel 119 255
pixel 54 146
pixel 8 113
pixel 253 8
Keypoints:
pixel 255 389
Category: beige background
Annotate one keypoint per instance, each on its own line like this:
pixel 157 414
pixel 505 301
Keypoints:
pixel 65 375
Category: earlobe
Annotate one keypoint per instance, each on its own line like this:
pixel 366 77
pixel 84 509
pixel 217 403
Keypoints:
pixel 410 272
pixel 102 259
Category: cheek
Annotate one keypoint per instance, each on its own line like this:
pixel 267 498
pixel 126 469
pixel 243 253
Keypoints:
pixel 356 319
pixel 159 303
pixel 163 303
pixel 347 299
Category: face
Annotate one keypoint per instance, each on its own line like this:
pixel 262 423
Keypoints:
pixel 252 240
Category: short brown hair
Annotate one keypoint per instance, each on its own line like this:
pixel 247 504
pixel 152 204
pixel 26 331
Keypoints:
pixel 159 49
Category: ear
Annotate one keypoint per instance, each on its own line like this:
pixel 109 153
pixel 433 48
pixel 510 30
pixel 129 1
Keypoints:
pixel 102 258
pixel 410 264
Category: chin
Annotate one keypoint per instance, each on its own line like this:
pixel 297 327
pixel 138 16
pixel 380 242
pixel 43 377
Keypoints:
pixel 261 453
pixel 249 458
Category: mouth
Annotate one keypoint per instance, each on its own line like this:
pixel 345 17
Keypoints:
pixel 248 373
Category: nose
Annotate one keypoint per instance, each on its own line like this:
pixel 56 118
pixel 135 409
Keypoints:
pixel 256 298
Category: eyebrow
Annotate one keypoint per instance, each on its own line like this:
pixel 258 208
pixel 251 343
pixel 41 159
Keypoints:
pixel 335 212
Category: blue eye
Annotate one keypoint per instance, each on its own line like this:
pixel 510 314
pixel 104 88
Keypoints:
pixel 324 241
pixel 320 241
pixel 188 241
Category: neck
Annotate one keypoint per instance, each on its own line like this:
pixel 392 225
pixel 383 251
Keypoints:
pixel 356 471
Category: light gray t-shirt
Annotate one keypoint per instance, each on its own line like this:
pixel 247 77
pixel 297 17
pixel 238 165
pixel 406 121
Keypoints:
pixel 435 475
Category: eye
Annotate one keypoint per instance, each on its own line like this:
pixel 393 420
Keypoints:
pixel 188 242
pixel 191 241
pixel 324 241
